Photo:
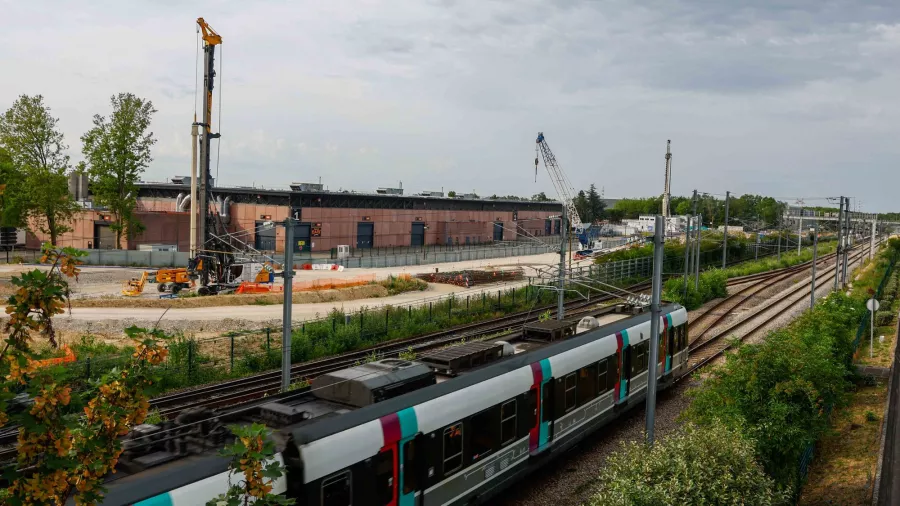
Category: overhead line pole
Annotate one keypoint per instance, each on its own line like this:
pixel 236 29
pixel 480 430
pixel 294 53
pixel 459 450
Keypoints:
pixel 656 288
pixel 687 253
pixel 564 230
pixel 288 274
pixel 837 256
pixel 725 235
pixel 697 253
pixel 812 282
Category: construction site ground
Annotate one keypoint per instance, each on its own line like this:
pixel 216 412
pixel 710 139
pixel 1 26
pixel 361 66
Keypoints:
pixel 107 322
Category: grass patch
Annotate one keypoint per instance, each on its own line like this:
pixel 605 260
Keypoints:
pixel 844 469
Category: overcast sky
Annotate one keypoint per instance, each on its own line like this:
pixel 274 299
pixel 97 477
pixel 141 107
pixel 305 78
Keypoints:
pixel 782 98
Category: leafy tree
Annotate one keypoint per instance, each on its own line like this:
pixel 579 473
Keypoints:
pixel 36 149
pixel 11 214
pixel 541 197
pixel 251 455
pixel 68 440
pixel 117 151
pixel 595 204
pixel 710 465
pixel 582 207
pixel 615 215
pixel 451 194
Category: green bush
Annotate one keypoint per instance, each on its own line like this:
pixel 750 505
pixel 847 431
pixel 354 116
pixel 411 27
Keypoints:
pixel 712 285
pixel 779 392
pixel 709 465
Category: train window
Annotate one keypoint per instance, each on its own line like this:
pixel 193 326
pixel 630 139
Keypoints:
pixel 453 438
pixel 547 402
pixel 338 490
pixel 570 391
pixel 384 477
pixel 507 422
pixel 601 376
pixel 481 431
pixel 587 387
pixel 410 472
pixel 612 372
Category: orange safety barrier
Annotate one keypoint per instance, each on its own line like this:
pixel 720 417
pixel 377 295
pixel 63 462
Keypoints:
pixel 65 359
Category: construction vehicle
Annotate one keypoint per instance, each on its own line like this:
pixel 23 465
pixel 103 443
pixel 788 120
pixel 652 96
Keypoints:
pixel 135 287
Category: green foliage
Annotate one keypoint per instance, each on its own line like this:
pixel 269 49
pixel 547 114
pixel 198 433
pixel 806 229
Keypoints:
pixel 117 151
pixel 746 208
pixel 871 417
pixel 36 165
pixel 401 284
pixel 778 393
pixel 252 460
pixel 713 285
pixel 714 464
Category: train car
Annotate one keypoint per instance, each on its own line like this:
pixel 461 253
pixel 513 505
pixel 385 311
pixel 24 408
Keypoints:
pixel 386 434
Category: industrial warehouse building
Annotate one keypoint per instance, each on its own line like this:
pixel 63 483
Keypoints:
pixel 326 219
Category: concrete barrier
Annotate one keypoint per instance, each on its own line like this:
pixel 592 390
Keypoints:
pixel 133 258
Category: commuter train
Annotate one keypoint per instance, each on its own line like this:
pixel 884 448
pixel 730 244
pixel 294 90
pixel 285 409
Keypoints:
pixel 453 427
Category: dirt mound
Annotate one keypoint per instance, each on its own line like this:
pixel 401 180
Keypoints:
pixel 343 294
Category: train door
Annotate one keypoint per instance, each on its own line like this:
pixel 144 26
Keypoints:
pixel 547 411
pixel 385 472
pixel 409 471
pixel 670 347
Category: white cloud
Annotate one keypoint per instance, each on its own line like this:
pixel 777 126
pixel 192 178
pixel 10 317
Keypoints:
pixel 792 98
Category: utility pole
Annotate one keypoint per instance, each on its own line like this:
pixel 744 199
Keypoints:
pixel 658 250
pixel 757 237
pixel 725 236
pixel 564 229
pixel 812 282
pixel 288 274
pixel 780 230
pixel 872 237
pixel 687 253
pixel 837 256
pixel 799 226
pixel 697 253
pixel 667 187
pixel 849 242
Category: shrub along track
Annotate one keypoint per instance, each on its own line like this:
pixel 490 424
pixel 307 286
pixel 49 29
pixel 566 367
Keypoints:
pixel 570 479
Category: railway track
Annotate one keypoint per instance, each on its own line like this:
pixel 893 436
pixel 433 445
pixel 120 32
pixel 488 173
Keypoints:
pixel 243 394
pixel 712 345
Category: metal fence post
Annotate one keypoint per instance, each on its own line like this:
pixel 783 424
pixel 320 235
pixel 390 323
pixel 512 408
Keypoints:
pixel 430 307
pixel 387 318
pixel 450 309
pixel 268 339
pixel 190 358
pixel 232 353
pixel 467 304
pixel 87 368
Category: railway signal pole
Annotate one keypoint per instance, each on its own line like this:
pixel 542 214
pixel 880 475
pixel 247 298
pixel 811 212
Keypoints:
pixel 697 253
pixel 658 251
pixel 288 274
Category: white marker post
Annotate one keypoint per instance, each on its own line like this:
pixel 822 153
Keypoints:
pixel 872 305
